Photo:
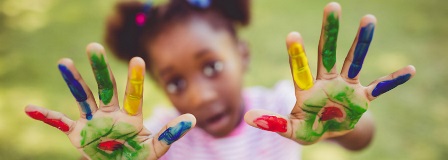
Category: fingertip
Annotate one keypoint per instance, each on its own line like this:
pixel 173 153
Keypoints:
pixel 29 108
pixel 411 69
pixel 65 61
pixel 95 48
pixel 332 7
pixel 248 118
pixel 137 61
pixel 191 118
pixel 34 112
pixel 293 37
pixel 367 19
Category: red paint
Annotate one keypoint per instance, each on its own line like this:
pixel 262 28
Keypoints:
pixel 110 145
pixel 330 113
pixel 52 122
pixel 271 123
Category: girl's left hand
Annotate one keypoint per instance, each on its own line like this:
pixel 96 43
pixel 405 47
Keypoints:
pixel 331 105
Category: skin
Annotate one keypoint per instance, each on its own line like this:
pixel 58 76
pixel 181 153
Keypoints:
pixel 112 132
pixel 333 107
pixel 206 66
pixel 201 70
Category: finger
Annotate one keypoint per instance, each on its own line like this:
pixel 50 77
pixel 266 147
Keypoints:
pixel 134 88
pixel 171 132
pixel 301 128
pixel 355 57
pixel 269 121
pixel 106 83
pixel 78 88
pixel 385 84
pixel 327 44
pixel 300 69
pixel 51 118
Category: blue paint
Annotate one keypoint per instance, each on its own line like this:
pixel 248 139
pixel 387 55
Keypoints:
pixel 76 89
pixel 362 46
pixel 203 4
pixel 172 134
pixel 86 109
pixel 385 86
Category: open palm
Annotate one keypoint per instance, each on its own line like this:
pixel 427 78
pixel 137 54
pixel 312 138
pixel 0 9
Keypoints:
pixel 108 132
pixel 332 104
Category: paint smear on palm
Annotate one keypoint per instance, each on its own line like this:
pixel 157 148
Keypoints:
pixel 386 86
pixel 362 46
pixel 172 134
pixel 134 92
pixel 299 66
pixel 102 138
pixel 271 123
pixel 321 116
pixel 76 89
pixel 330 38
pixel 102 76
pixel 52 122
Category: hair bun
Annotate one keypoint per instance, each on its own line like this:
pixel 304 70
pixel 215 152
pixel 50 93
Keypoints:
pixel 122 31
pixel 237 10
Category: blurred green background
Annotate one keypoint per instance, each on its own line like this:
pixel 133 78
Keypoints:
pixel 410 120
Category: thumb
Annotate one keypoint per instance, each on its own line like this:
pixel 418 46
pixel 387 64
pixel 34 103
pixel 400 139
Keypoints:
pixel 171 132
pixel 270 121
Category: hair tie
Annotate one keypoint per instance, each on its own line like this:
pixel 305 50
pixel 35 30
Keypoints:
pixel 203 4
pixel 141 17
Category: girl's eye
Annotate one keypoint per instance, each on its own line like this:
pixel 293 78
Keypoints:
pixel 176 85
pixel 213 68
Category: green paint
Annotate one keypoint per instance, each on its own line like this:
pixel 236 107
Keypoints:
pixel 106 128
pixel 338 92
pixel 101 71
pixel 331 36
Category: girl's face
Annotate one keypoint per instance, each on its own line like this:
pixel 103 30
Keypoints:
pixel 201 70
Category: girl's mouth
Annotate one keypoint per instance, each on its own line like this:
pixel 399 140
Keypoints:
pixel 218 121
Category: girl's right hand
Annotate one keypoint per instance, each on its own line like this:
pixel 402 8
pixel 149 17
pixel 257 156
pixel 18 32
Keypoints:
pixel 106 131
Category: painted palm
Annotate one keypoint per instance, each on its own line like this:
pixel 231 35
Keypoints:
pixel 333 103
pixel 108 132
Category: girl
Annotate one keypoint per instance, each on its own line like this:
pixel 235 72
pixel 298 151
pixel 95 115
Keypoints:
pixel 192 51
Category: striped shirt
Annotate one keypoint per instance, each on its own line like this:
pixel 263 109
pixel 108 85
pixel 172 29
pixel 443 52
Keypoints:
pixel 244 142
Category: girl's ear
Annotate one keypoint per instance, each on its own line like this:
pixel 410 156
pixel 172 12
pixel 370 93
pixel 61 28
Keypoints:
pixel 243 49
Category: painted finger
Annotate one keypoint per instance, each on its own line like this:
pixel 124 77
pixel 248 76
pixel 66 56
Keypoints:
pixel 78 88
pixel 298 61
pixel 269 121
pixel 327 44
pixel 355 57
pixel 134 88
pixel 52 118
pixel 106 83
pixel 385 84
pixel 295 129
pixel 171 132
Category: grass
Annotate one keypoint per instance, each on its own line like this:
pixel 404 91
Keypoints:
pixel 410 121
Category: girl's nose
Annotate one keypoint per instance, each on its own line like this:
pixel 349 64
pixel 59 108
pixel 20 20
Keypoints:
pixel 202 93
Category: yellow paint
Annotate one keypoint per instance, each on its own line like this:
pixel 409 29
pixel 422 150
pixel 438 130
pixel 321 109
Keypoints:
pixel 134 92
pixel 299 66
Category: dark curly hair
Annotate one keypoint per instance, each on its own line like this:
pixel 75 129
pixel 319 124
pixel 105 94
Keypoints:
pixel 126 39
